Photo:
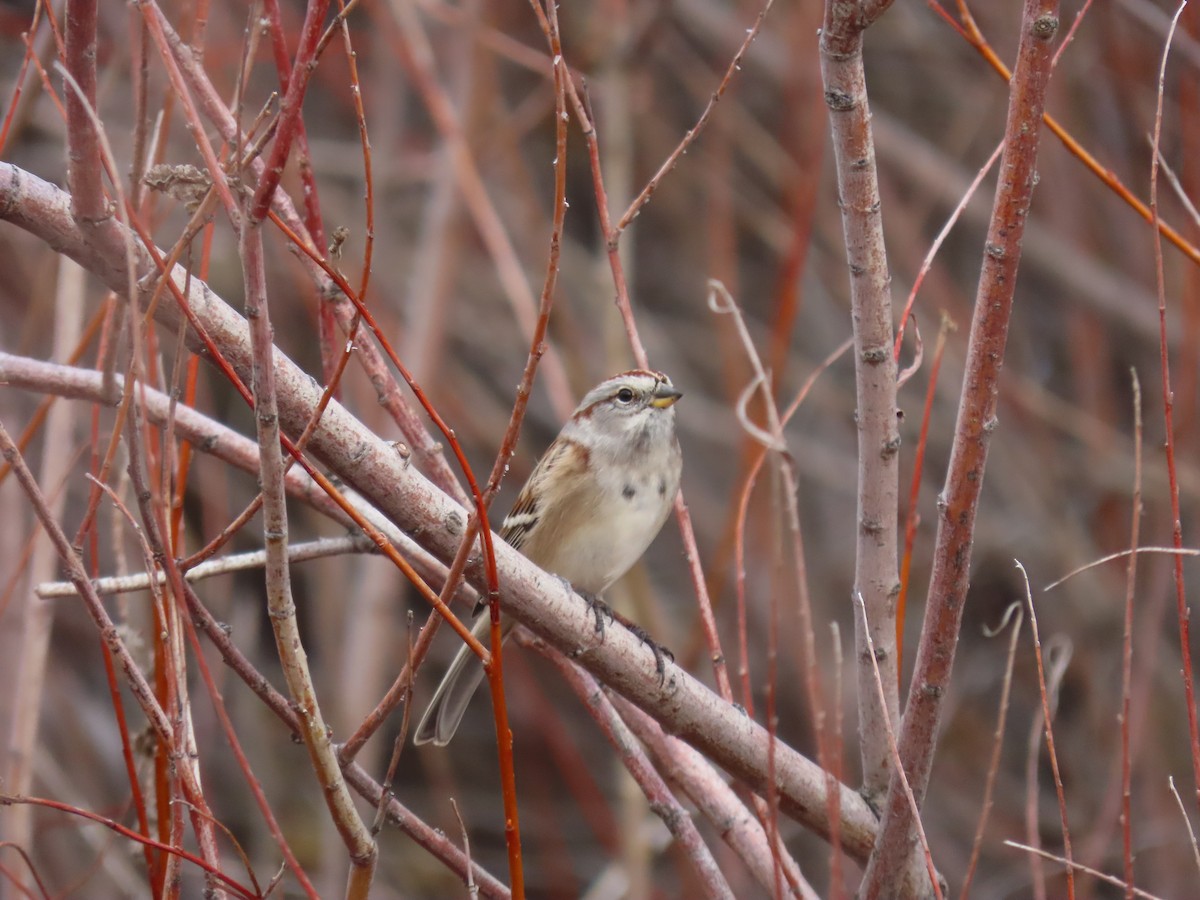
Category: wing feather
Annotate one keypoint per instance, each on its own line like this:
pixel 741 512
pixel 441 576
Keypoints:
pixel 565 461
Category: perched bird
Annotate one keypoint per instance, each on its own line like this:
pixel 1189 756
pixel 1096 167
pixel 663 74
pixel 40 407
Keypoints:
pixel 589 510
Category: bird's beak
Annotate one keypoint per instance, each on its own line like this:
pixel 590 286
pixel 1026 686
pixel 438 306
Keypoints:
pixel 664 396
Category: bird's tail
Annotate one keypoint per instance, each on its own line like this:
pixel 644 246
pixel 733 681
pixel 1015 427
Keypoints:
pixel 449 704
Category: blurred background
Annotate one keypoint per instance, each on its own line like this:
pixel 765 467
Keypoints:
pixel 754 204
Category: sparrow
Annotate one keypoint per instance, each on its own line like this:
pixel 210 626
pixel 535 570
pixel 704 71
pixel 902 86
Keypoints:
pixel 592 505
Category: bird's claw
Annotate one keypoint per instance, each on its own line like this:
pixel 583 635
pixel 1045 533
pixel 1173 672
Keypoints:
pixel 599 609
pixel 660 653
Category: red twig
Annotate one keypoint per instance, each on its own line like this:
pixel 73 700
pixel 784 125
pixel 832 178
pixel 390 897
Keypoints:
pixel 19 81
pixel 120 829
pixel 912 518
pixel 290 122
pixel 313 219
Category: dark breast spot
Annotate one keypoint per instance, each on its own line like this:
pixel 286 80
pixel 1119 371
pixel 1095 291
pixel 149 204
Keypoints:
pixel 628 492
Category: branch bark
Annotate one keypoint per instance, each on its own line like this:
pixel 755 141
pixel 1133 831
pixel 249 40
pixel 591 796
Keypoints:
pixel 876 577
pixel 281 607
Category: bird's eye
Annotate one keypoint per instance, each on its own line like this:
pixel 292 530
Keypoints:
pixel 625 395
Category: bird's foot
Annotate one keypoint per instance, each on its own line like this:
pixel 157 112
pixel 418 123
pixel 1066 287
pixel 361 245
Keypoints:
pixel 661 653
pixel 599 609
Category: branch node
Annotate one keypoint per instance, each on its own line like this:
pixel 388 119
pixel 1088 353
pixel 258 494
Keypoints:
pixel 840 101
pixel 453 523
pixel 1045 27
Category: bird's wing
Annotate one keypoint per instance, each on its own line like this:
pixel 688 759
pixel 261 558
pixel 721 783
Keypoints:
pixel 566 462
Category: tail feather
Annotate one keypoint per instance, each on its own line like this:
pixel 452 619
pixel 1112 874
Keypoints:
pixel 449 704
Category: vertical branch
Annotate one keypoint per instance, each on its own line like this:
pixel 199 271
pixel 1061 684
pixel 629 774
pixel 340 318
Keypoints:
pixel 280 604
pixel 875 572
pixel 968 456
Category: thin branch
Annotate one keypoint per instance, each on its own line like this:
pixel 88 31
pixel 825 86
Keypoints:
pixel 735 65
pixel 1127 640
pixel 360 845
pixel 1048 723
pixel 1074 866
pixel 1122 554
pixel 1014 614
pixel 1186 821
pixel 238 562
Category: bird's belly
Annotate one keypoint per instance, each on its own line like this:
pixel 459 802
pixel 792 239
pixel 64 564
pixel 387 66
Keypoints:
pixel 603 550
